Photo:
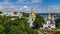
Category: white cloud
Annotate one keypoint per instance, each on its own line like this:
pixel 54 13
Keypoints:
pixel 1 7
pixel 54 9
pixel 5 3
pixel 9 6
pixel 38 10
pixel 37 1
pixel 25 9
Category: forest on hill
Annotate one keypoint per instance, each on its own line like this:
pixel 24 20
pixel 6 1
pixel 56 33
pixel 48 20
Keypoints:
pixel 20 25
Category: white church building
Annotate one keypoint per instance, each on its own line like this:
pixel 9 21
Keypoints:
pixel 49 22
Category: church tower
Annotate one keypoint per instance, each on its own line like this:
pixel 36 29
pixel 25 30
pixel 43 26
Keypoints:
pixel 32 14
pixel 53 19
pixel 53 22
pixel 31 17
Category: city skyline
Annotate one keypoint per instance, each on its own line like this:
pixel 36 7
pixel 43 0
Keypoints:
pixel 40 6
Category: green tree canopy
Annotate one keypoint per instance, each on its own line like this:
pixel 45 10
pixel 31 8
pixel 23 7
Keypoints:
pixel 38 21
pixel 57 22
pixel 17 26
pixel 58 32
pixel 1 12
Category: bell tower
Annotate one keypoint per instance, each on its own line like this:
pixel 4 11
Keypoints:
pixel 31 17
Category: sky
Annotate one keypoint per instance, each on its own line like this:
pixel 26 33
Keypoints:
pixel 40 6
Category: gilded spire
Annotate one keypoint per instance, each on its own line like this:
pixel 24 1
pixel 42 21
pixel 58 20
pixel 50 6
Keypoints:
pixel 52 17
pixel 32 13
pixel 49 14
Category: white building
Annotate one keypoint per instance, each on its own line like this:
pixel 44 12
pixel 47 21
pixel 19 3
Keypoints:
pixel 49 22
pixel 11 14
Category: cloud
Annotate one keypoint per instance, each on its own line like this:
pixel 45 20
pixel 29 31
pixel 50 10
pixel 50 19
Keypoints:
pixel 1 7
pixel 5 3
pixel 54 9
pixel 16 8
pixel 21 2
pixel 25 9
pixel 25 6
pixel 37 1
pixel 38 10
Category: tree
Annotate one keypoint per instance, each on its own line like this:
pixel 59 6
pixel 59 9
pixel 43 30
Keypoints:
pixel 17 26
pixel 21 26
pixel 58 32
pixel 15 13
pixel 57 22
pixel 1 29
pixel 0 12
pixel 38 21
pixel 25 14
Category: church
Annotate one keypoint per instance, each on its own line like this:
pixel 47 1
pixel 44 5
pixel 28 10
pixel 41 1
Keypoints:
pixel 49 22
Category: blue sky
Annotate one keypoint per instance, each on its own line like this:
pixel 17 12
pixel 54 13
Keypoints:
pixel 41 6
